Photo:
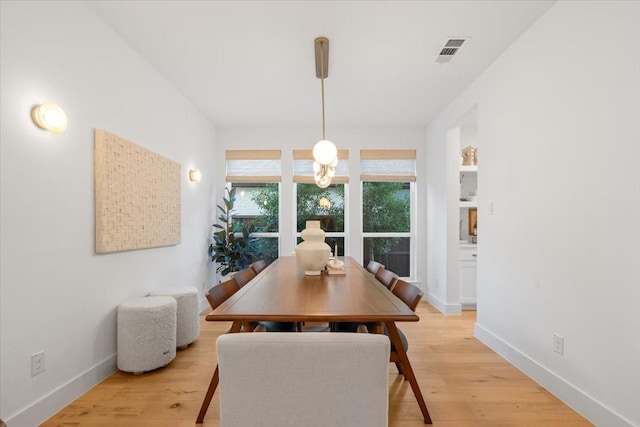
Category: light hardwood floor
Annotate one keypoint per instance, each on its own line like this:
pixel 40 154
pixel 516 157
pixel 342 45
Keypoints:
pixel 464 384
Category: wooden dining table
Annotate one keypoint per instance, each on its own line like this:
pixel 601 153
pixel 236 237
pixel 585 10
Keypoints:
pixel 283 293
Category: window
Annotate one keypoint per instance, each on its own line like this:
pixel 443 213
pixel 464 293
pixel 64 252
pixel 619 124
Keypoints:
pixel 256 176
pixel 388 194
pixel 258 204
pixel 324 204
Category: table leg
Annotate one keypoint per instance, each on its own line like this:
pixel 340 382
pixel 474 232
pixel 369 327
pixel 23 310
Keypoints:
pixel 378 329
pixel 408 370
pixel 235 327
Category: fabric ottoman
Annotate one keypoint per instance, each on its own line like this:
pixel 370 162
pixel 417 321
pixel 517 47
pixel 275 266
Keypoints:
pixel 146 333
pixel 188 322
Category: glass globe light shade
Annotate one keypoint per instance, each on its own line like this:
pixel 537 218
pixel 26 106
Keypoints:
pixel 324 182
pixel 325 152
pixel 324 203
pixel 317 167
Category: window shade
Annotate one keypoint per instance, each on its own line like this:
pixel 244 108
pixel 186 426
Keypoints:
pixel 388 165
pixel 253 166
pixel 303 167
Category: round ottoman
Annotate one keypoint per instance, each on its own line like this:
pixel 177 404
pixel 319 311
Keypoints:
pixel 146 333
pixel 188 322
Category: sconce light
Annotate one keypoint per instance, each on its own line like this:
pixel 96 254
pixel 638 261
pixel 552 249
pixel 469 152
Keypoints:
pixel 195 175
pixel 49 116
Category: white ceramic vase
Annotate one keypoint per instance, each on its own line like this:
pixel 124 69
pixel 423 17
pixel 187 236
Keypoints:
pixel 312 253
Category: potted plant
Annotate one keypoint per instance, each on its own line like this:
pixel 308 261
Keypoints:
pixel 232 247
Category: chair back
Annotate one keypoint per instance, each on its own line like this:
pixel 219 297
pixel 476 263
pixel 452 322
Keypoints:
pixel 374 266
pixel 311 379
pixel 386 277
pixel 408 293
pixel 221 292
pixel 243 277
pixel 258 266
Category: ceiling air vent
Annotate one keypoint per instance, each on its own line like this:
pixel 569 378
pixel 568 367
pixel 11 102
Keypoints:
pixel 450 49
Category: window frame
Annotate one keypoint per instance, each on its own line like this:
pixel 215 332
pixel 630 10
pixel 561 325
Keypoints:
pixel 265 234
pixel 411 234
pixel 343 234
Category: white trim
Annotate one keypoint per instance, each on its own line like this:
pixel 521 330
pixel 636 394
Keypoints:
pixel 587 406
pixel 49 405
pixel 203 304
pixel 443 307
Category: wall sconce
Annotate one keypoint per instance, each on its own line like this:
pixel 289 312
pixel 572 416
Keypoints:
pixel 195 175
pixel 49 116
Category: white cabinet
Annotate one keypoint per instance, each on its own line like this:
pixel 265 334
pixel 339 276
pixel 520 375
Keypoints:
pixel 468 202
pixel 468 261
pixel 468 253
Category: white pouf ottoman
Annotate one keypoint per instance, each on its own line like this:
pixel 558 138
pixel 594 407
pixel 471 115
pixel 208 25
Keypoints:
pixel 146 333
pixel 188 322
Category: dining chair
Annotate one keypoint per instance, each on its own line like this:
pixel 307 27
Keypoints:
pixel 386 277
pixel 313 379
pixel 411 296
pixel 244 276
pixel 373 267
pixel 258 266
pixel 221 292
pixel 408 294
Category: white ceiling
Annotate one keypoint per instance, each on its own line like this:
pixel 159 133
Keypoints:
pixel 251 63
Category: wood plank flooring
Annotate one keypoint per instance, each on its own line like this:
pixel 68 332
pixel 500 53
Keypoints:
pixel 464 383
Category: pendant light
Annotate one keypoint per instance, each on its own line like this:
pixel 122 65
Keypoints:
pixel 325 153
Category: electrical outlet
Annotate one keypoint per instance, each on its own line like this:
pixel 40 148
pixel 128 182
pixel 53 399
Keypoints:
pixel 558 344
pixel 37 363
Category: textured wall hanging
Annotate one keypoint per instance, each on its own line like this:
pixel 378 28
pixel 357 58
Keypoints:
pixel 137 196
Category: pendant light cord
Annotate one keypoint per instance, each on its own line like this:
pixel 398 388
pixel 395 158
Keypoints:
pixel 322 84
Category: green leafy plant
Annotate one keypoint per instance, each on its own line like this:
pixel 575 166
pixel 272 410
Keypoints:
pixel 232 247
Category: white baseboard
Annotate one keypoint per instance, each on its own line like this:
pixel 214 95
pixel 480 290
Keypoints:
pixel 203 305
pixel 442 306
pixel 577 399
pixel 50 404
pixel 469 306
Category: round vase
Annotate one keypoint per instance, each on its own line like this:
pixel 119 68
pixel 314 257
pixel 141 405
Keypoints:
pixel 312 253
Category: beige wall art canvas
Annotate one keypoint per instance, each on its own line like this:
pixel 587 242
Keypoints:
pixel 137 196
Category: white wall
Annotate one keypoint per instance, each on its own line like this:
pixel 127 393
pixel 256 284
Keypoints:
pixel 558 126
pixel 57 295
pixel 352 138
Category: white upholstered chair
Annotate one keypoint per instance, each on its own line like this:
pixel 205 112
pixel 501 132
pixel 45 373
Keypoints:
pixel 311 379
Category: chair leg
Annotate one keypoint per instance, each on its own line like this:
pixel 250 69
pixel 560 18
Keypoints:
pixel 207 398
pixel 408 370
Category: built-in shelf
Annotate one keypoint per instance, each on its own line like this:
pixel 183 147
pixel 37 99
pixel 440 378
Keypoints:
pixel 473 168
pixel 469 204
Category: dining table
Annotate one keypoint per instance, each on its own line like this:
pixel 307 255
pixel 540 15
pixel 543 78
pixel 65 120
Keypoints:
pixel 283 293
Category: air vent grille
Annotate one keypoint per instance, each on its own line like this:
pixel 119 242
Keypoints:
pixel 448 51
pixel 454 43
pixel 451 47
